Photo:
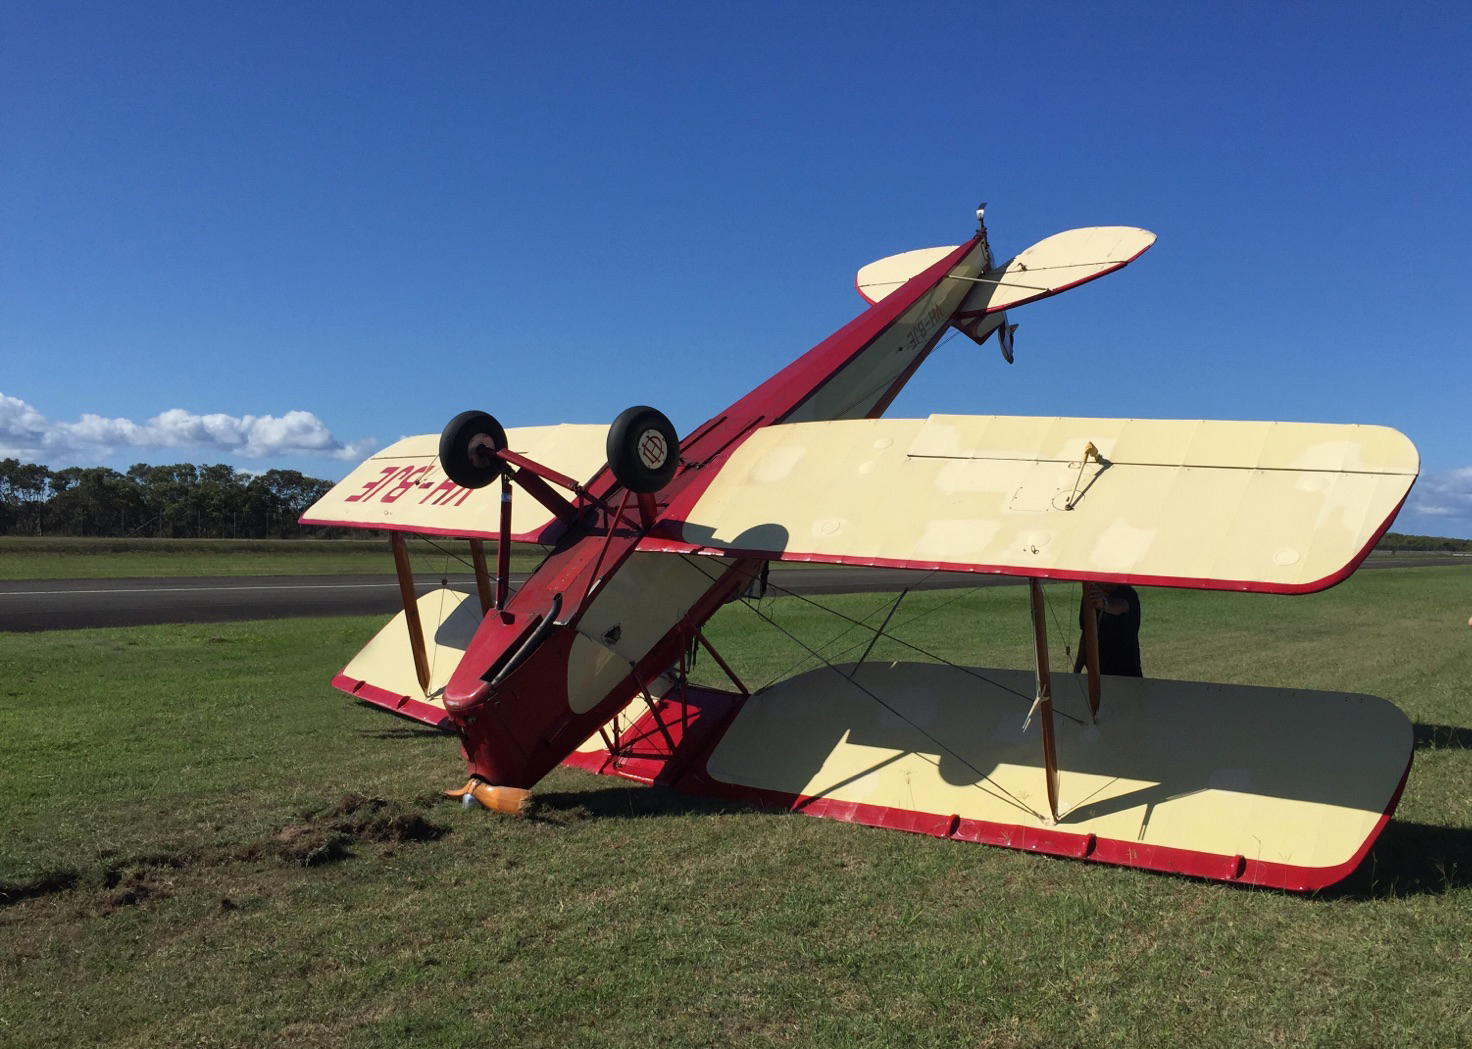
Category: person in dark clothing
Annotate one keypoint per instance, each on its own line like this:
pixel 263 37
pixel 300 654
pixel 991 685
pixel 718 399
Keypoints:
pixel 1117 607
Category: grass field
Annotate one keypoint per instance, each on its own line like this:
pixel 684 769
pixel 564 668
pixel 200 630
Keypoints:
pixel 202 844
pixel 26 558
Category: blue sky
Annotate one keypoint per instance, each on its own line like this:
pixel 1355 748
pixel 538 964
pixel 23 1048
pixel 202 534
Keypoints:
pixel 286 234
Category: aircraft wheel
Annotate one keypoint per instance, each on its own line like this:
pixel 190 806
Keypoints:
pixel 643 450
pixel 468 449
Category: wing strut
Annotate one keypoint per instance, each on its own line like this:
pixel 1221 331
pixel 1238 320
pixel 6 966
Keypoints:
pixel 503 545
pixel 411 608
pixel 1091 650
pixel 482 574
pixel 1045 692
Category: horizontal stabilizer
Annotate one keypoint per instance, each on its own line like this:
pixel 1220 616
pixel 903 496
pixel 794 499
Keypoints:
pixel 1276 507
pixel 1052 265
pixel 1055 264
pixel 404 489
pixel 876 280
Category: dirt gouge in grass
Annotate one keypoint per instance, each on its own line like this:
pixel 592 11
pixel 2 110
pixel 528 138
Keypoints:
pixel 650 534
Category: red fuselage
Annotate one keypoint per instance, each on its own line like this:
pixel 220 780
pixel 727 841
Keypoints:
pixel 599 620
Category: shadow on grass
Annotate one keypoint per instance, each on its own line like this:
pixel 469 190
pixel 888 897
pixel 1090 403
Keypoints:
pixel 1442 737
pixel 405 732
pixel 1410 859
pixel 634 801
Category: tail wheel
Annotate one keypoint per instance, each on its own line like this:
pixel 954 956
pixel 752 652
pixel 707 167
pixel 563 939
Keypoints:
pixel 643 450
pixel 468 449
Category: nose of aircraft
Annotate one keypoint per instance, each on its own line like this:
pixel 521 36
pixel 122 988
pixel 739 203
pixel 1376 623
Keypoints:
pixel 508 701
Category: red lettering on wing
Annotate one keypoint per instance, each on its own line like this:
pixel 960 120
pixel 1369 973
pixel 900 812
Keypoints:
pixel 441 494
pixel 406 478
pixel 373 485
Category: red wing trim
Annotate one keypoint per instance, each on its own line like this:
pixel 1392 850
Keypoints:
pixel 393 702
pixel 543 536
pixel 1047 840
pixel 1054 842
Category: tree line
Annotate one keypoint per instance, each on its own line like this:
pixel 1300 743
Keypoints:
pixel 1423 544
pixel 182 501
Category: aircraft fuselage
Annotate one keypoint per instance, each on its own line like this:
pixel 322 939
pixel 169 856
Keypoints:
pixel 599 621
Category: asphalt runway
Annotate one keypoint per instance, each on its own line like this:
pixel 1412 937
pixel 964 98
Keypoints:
pixel 68 604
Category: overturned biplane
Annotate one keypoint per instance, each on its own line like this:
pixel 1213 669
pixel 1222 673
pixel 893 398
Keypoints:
pixel 650 534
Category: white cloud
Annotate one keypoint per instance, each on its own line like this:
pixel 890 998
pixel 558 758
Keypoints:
pixel 26 434
pixel 1439 505
pixel 19 422
pixel 1447 494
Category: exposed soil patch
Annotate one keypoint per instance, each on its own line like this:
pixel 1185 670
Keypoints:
pixel 329 834
pixel 316 837
pixel 134 885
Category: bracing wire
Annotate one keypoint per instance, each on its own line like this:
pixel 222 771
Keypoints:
pixel 1079 684
pixel 887 634
pixel 991 786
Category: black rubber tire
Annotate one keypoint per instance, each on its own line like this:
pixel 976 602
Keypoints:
pixel 467 449
pixel 643 450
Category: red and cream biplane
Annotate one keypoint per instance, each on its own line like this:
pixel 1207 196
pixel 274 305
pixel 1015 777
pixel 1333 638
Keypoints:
pixel 650 534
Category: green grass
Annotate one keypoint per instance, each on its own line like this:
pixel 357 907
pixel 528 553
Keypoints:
pixel 26 558
pixel 190 860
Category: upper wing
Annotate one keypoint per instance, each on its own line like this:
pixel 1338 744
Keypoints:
pixel 404 489
pixel 1280 507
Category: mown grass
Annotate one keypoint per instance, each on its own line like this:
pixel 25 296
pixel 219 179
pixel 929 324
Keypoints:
pixel 23 557
pixel 190 858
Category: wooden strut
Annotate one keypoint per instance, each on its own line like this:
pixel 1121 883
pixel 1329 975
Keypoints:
pixel 482 575
pixel 695 630
pixel 1045 693
pixel 503 544
pixel 669 741
pixel 1090 618
pixel 411 608
pixel 616 745
pixel 593 576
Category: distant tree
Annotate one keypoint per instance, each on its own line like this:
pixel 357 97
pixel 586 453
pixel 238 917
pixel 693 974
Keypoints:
pixel 94 501
pixel 1394 541
pixel 177 501
pixel 24 490
pixel 219 499
pixel 168 497
pixel 278 497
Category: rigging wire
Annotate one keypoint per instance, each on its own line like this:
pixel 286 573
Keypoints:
pixel 991 787
pixel 441 548
pixel 855 623
pixel 901 641
pixel 1080 683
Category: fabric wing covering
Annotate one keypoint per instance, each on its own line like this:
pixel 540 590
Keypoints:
pixel 404 489
pixel 1263 506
